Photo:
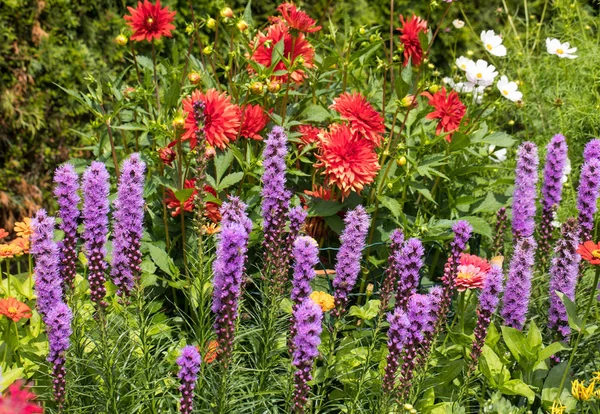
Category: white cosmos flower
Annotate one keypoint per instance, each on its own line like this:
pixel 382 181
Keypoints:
pixel 493 43
pixel 481 73
pixel 459 24
pixel 463 87
pixel 448 81
pixel 462 62
pixel 497 156
pixel 509 89
pixel 562 50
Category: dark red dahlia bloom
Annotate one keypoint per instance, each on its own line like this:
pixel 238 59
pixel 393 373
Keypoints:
pixel 297 19
pixel 149 21
pixel 410 38
pixel 448 109
pixel 364 119
pixel 254 120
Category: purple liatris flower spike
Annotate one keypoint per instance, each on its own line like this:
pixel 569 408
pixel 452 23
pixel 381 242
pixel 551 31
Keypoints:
pixel 398 334
pixel 563 278
pixel 58 321
pixel 436 294
pixel 392 273
pixel 48 283
pixel 592 150
pixel 128 225
pixel 228 268
pixel 518 285
pixel 488 302
pixel 306 256
pixel 66 193
pixel 234 211
pixel 523 207
pixel 409 263
pixel 347 265
pixel 189 364
pixel 96 188
pixel 556 162
pixel 307 320
pixel 587 197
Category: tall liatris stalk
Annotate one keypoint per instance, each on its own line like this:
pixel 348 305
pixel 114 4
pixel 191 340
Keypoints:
pixel 58 321
pixel 409 264
pixel 563 278
pixel 398 334
pixel 587 197
pixel 347 265
pixel 297 217
pixel 128 225
pixel 518 285
pixel 392 273
pixel 66 193
pixel 592 150
pixel 526 177
pixel 96 188
pixel 48 283
pixel 436 294
pixel 556 162
pixel 228 268
pixel 306 256
pixel 488 302
pixel 189 364
pixel 307 320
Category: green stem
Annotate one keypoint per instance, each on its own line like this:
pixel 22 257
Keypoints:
pixel 155 80
pixel 8 275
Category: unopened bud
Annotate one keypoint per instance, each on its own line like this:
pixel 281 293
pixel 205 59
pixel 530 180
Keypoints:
pixel 256 88
pixel 194 78
pixel 226 13
pixel 121 40
pixel 178 122
pixel 242 25
pixel 211 23
pixel 207 50
pixel 274 86
pixel 401 161
pixel 434 88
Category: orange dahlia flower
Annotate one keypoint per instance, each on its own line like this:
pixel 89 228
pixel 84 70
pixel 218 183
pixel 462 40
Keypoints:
pixel 211 209
pixel 254 120
pixel 472 271
pixel 297 19
pixel 410 38
pixel 348 160
pixel 448 109
pixel 220 119
pixel 308 135
pixel 13 309
pixel 590 252
pixel 293 48
pixel 363 118
pixel 149 21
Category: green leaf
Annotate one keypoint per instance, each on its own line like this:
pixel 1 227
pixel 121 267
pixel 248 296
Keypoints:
pixel 10 376
pixel 315 113
pixel 534 337
pixel 550 389
pixel 391 204
pixel 230 180
pixel 518 387
pixel 489 205
pixel 222 162
pixel 402 87
pixel 162 260
pixel 407 75
pixel 552 349
pixel 323 208
pixel 515 341
pixel 459 141
pixel 183 194
pixel 574 321
pixel 492 368
pixel 366 312
pixel 248 14
pixel 499 139
pixel 480 226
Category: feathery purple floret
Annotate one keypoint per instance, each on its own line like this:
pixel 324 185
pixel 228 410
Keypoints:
pixel 563 277
pixel 58 321
pixel 488 302
pixel 526 177
pixel 189 364
pixel 128 225
pixel 392 273
pixel 398 335
pixel 409 263
pixel 462 233
pixel 48 283
pixel 234 211
pixel 306 256
pixel 436 295
pixel 592 150
pixel 587 196
pixel 307 320
pixel 96 189
pixel 228 268
pixel 66 193
pixel 347 266
pixel 518 285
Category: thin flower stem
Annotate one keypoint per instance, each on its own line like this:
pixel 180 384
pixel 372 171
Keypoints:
pixel 155 80
pixel 137 68
pixel 8 275
pixel 391 57
pixel 112 141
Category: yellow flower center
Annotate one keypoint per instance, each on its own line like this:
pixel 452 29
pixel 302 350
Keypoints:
pixel 479 76
pixel 12 310
pixel 560 51
pixel 596 254
pixel 504 92
pixel 463 66
pixel 150 20
pixel 489 47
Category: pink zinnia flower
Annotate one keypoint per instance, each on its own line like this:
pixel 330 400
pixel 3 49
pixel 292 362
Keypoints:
pixel 471 272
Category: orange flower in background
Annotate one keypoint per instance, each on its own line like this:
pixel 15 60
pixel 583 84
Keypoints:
pixel 472 271
pixel 3 233
pixel 590 252
pixel 9 250
pixel 22 244
pixel 363 118
pixel 308 134
pixel 13 309
pixel 254 120
pixel 410 38
pixel 23 228
pixel 211 352
pixel 19 400
pixel 149 21
pixel 220 119
pixel 293 48
pixel 348 160
pixel 319 191
pixel 211 208
pixel 448 109
pixel 297 19
pixel 323 299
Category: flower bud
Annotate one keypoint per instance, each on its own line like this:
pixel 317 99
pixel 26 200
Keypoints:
pixel 121 40
pixel 469 53
pixel 401 161
pixel 178 122
pixel 167 155
pixel 362 31
pixel 511 122
pixel 257 88
pixel 226 13
pixel 194 78
pixel 431 66
pixel 274 86
pixel 300 60
pixel 209 152
pixel 242 26
pixel 211 23
pixel 369 290
pixel 207 50
pixel 434 88
pixel 408 101
pixel 129 92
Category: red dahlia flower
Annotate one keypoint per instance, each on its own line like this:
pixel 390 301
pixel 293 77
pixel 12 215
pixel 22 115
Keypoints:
pixel 221 119
pixel 410 38
pixel 308 134
pixel 254 120
pixel 263 45
pixel 297 19
pixel 448 109
pixel 472 271
pixel 349 160
pixel 363 118
pixel 211 209
pixel 590 252
pixel 150 21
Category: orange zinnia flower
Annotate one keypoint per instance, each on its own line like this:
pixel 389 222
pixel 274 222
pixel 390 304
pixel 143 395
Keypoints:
pixel 448 109
pixel 348 160
pixel 472 271
pixel 297 19
pixel 254 120
pixel 410 38
pixel 3 233
pixel 363 118
pixel 220 120
pixel 9 250
pixel 150 21
pixel 13 309
pixel 23 228
pixel 590 252
pixel 22 244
